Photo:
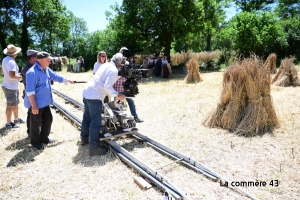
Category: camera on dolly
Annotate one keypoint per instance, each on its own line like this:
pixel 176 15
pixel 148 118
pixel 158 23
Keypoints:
pixel 132 73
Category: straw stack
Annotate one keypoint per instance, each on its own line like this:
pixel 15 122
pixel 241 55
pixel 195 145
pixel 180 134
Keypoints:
pixel 245 106
pixel 270 63
pixel 193 75
pixel 287 74
pixel 204 57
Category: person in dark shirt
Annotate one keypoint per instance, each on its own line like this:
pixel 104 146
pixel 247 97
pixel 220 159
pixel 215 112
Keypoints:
pixel 31 57
pixel 157 67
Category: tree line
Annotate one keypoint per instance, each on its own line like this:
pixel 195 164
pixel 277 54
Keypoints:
pixel 155 27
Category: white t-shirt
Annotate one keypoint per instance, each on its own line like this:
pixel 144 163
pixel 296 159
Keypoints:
pixel 96 67
pixel 102 83
pixel 9 64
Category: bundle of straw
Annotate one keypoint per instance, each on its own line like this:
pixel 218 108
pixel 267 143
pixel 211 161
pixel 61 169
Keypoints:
pixel 245 105
pixel 270 63
pixel 255 115
pixel 287 74
pixel 236 104
pixel 193 75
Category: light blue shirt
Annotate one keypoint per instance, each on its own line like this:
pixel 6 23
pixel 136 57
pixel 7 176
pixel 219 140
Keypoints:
pixel 38 83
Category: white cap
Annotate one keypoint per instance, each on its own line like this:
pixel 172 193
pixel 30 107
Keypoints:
pixel 31 52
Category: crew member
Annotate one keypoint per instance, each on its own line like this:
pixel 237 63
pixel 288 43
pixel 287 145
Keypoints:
pixel 93 96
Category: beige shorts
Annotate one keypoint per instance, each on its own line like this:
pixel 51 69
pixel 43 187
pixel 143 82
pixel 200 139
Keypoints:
pixel 12 96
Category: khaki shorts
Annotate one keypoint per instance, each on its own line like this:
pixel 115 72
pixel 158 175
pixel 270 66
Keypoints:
pixel 12 96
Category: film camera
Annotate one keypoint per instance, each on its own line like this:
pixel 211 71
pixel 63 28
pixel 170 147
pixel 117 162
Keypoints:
pixel 133 74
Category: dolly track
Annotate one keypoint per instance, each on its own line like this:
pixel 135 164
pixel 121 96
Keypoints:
pixel 150 174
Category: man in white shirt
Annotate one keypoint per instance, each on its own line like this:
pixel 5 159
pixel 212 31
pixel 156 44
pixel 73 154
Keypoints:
pixel 10 85
pixel 93 96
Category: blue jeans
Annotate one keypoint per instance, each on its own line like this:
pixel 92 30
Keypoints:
pixel 132 107
pixel 91 122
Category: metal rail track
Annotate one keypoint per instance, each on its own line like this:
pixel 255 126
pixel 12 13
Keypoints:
pixel 150 174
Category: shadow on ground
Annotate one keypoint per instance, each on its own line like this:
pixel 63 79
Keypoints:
pixel 83 157
pixel 4 131
pixel 27 153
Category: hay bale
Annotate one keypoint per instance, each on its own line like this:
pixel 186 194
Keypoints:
pixel 193 75
pixel 245 106
pixel 270 63
pixel 287 74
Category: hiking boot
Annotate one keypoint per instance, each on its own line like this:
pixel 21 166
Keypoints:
pixel 83 143
pixel 19 120
pixel 138 120
pixel 97 151
pixel 11 125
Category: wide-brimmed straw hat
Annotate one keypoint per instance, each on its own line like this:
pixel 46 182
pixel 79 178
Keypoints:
pixel 11 50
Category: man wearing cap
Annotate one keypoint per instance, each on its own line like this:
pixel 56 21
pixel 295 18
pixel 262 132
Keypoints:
pixel 10 85
pixel 38 98
pixel 93 95
pixel 31 57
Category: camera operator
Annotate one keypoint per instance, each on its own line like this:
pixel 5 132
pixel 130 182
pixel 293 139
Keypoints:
pixel 93 95
pixel 118 86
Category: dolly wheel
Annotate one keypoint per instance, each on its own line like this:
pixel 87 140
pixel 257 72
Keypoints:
pixel 131 123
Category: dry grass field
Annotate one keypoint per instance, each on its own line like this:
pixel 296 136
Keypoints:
pixel 173 112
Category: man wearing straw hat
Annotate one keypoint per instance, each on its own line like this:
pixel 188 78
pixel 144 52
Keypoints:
pixel 10 85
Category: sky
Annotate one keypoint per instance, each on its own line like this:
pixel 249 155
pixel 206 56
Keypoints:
pixel 93 11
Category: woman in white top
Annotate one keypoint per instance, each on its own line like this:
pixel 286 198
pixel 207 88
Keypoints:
pixel 101 59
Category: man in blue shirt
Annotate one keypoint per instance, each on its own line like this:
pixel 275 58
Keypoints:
pixel 38 98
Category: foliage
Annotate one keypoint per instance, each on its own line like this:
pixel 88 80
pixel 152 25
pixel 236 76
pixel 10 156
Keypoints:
pixel 289 13
pixel 50 24
pixel 154 24
pixel 253 5
pixel 154 27
pixel 259 33
pixel 288 8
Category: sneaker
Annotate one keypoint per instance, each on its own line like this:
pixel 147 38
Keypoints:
pixel 11 125
pixel 19 120
pixel 138 120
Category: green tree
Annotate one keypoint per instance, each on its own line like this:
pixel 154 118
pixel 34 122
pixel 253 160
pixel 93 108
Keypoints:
pixel 214 15
pixel 147 26
pixel 253 5
pixel 289 13
pixel 257 32
pixel 50 23
pixel 8 15
pixel 78 35
pixel 288 8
